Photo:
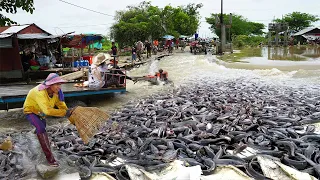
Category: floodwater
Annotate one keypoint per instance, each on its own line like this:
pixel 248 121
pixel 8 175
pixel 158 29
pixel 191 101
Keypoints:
pixel 284 59
pixel 273 66
pixel 269 65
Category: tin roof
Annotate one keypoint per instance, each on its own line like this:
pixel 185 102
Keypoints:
pixel 303 31
pixel 18 28
pixel 311 37
pixel 36 36
pixel 14 29
pixel 8 31
pixel 5 35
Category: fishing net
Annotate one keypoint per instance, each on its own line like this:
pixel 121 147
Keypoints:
pixel 88 120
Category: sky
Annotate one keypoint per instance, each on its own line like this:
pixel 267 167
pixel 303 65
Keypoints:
pixel 58 17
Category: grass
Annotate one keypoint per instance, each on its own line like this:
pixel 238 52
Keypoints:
pixel 244 53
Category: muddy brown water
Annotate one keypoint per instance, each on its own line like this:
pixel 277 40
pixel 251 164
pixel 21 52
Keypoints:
pixel 183 67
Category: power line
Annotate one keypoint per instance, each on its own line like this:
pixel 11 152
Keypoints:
pixel 86 8
pixel 84 25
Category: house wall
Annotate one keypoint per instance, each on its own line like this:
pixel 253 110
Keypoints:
pixel 10 61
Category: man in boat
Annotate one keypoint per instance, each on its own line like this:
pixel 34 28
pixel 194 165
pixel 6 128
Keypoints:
pixel 162 75
pixel 40 102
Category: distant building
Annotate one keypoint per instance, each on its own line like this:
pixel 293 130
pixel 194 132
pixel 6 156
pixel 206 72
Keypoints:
pixel 308 35
pixel 14 41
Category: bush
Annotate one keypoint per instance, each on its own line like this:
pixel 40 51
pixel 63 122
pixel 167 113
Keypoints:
pixel 244 40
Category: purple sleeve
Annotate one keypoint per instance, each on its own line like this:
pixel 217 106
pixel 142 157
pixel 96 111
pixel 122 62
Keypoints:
pixel 61 95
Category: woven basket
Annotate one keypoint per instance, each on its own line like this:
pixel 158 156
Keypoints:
pixel 88 120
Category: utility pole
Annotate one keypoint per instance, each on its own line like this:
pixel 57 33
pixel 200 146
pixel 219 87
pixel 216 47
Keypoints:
pixel 223 31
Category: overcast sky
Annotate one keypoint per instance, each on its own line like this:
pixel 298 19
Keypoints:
pixel 58 17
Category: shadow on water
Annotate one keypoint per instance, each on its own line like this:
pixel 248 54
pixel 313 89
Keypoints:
pixel 292 53
pixel 281 58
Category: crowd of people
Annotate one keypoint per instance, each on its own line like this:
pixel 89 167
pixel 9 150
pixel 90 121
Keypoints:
pixel 155 46
pixel 104 71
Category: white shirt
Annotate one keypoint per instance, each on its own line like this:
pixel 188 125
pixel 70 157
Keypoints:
pixel 97 76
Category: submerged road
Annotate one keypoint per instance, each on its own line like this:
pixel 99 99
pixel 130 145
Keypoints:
pixel 233 100
pixel 185 68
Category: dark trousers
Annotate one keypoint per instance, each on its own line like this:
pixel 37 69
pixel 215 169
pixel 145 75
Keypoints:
pixel 37 122
pixel 148 53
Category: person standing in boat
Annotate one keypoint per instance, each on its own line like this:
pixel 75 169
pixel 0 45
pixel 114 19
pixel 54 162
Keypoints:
pixel 41 102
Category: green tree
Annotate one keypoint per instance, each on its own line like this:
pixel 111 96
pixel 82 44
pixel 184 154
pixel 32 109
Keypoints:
pixel 11 6
pixel 146 21
pixel 106 43
pixel 183 20
pixel 239 26
pixel 298 21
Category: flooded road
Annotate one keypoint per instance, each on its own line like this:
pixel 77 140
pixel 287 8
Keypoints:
pixel 184 68
pixel 284 59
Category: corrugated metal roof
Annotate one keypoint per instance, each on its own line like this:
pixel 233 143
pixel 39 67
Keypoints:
pixel 303 31
pixel 35 36
pixel 311 37
pixel 5 35
pixel 14 29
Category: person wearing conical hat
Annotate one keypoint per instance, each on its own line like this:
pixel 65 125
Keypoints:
pixel 41 102
pixel 97 70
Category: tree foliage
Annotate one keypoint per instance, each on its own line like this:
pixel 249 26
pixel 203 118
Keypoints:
pixel 245 40
pixel 146 21
pixel 239 26
pixel 298 21
pixel 11 6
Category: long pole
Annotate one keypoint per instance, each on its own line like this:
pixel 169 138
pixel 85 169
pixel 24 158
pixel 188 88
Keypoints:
pixel 223 31
pixel 221 16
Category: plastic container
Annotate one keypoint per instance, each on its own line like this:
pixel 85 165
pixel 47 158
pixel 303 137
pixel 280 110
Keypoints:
pixel 81 63
pixel 34 68
pixel 85 63
pixel 44 61
pixel 75 63
pixel 89 58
